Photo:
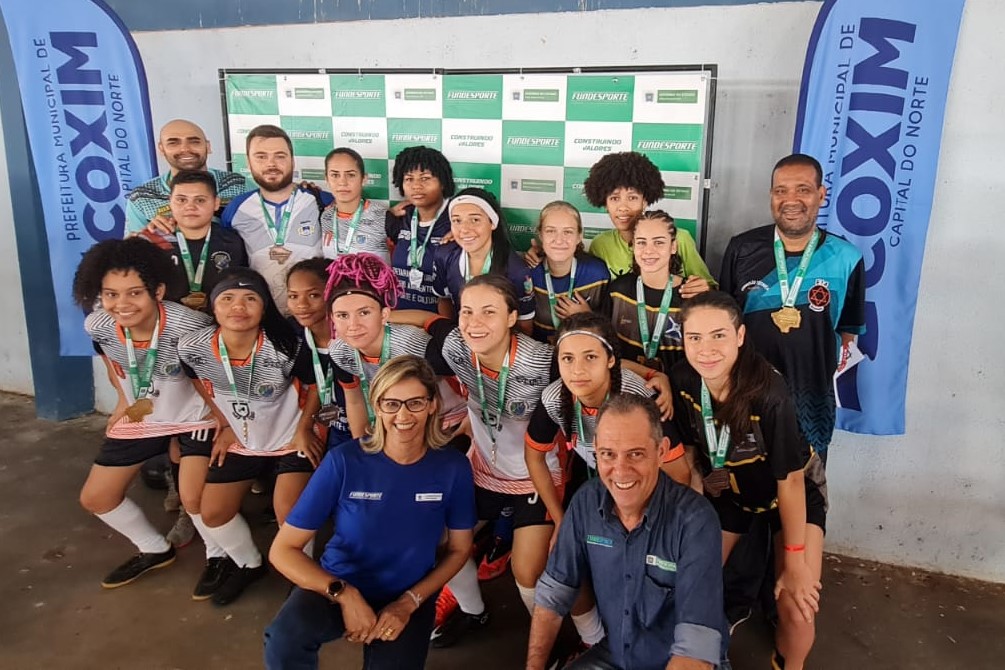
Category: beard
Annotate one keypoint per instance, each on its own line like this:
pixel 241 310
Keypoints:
pixel 271 181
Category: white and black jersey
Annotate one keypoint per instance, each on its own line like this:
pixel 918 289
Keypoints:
pixel 369 237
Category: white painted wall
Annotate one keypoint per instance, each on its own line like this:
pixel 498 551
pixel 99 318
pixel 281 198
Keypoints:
pixel 931 498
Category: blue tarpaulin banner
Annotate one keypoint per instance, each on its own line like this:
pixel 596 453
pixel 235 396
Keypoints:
pixel 84 95
pixel 871 109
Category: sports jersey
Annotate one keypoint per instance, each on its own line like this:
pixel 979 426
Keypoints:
pixel 388 517
pixel 369 236
pixel 338 430
pixel 177 408
pixel 622 308
pixel 611 248
pixel 246 215
pixel 590 286
pixel 226 250
pixel 398 230
pixel 831 300
pixel 549 418
pixel 152 198
pixel 502 469
pixel 268 401
pixel 774 447
pixel 451 268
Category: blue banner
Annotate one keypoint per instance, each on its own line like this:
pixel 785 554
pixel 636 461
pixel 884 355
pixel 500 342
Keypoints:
pixel 871 109
pixel 84 95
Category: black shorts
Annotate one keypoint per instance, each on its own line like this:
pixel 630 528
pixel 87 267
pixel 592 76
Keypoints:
pixel 735 519
pixel 190 446
pixel 241 468
pixel 116 453
pixel 528 508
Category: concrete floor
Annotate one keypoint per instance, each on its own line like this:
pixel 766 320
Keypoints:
pixel 54 614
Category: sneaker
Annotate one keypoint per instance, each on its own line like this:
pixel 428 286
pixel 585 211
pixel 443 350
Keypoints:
pixel 172 501
pixel 136 566
pixel 459 625
pixel 446 604
pixel 736 616
pixel 238 580
pixel 216 572
pixel 495 562
pixel 183 531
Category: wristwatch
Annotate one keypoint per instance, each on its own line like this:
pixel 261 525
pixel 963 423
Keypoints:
pixel 335 588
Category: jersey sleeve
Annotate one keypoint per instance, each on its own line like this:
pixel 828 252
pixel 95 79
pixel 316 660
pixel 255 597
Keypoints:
pixel 692 261
pixel 303 366
pixel 461 514
pixel 852 319
pixel 542 430
pixel 319 500
pixel 227 217
pixel 788 450
pixel 727 274
pixel 135 219
pixel 392 226
pixel 441 270
pixel 519 274
pixel 438 329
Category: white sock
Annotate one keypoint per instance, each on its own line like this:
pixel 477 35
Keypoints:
pixel 527 596
pixel 309 549
pixel 213 550
pixel 235 538
pixel 465 588
pixel 589 626
pixel 130 520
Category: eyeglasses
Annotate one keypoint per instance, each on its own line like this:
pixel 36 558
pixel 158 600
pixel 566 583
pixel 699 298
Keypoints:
pixel 392 405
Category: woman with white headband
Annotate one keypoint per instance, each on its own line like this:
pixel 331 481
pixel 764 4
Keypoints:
pixel 481 246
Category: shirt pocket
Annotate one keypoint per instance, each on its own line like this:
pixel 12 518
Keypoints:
pixel 656 602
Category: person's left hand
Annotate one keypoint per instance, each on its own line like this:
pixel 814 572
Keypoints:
pixel 399 209
pixel 392 620
pixel 534 255
pixel 693 286
pixel 664 400
pixel 566 307
pixel 309 445
pixel 798 581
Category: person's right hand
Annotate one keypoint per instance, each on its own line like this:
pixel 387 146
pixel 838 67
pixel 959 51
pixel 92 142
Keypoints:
pixel 554 535
pixel 162 223
pixel 116 415
pixel 221 443
pixel 399 209
pixel 357 614
pixel 534 255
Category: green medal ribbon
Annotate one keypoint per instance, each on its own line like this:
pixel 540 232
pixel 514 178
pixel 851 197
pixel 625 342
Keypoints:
pixel 789 295
pixel 415 252
pixel 486 266
pixel 351 232
pixel 229 371
pixel 500 399
pixel 278 233
pixel 551 289
pixel 194 274
pixel 385 356
pixel 651 344
pixel 717 445
pixel 142 380
pixel 580 430
pixel 325 380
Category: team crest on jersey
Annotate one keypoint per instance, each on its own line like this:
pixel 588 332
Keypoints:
pixel 528 286
pixel 306 228
pixel 172 369
pixel 361 239
pixel 518 408
pixel 672 334
pixel 266 390
pixel 221 259
pixel 754 285
pixel 819 296
pixel 241 409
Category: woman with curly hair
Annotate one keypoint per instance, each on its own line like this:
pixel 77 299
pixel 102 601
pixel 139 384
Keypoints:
pixel 625 184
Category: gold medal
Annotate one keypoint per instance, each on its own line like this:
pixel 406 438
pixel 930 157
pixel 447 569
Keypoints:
pixel 280 254
pixel 194 300
pixel 140 409
pixel 716 482
pixel 787 318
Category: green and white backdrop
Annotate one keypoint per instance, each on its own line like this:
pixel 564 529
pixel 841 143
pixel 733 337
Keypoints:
pixel 528 137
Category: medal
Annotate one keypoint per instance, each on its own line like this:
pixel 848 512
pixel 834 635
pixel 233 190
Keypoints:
pixel 277 232
pixel 651 343
pixel 364 382
pixel 325 382
pixel 141 380
pixel 194 300
pixel 788 317
pixel 716 482
pixel 328 414
pixel 240 407
pixel 494 424
pixel 552 301
pixel 280 254
pixel 415 278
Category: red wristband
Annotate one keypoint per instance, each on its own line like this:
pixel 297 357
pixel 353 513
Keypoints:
pixel 795 547
pixel 650 375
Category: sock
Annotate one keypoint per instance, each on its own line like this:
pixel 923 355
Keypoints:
pixel 527 596
pixel 309 549
pixel 589 626
pixel 129 520
pixel 465 588
pixel 235 538
pixel 213 550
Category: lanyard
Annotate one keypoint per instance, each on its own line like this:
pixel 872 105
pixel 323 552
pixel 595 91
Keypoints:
pixel 278 232
pixel 551 289
pixel 228 370
pixel 577 408
pixel 194 274
pixel 325 381
pixel 350 233
pixel 717 446
pixel 385 356
pixel 142 381
pixel 500 399
pixel 789 295
pixel 486 266
pixel 416 253
pixel 651 345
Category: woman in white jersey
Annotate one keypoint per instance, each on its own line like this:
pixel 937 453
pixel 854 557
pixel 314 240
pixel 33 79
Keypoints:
pixel 352 223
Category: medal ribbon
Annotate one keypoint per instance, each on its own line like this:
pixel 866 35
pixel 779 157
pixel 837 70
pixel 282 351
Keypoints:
pixel 486 266
pixel 416 253
pixel 580 430
pixel 500 398
pixel 551 289
pixel 717 445
pixel 194 274
pixel 229 371
pixel 651 344
pixel 325 381
pixel 278 233
pixel 385 356
pixel 351 232
pixel 789 295
pixel 142 381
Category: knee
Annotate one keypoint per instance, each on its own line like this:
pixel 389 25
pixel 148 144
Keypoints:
pixel 525 576
pixel 191 500
pixel 215 517
pixel 791 617
pixel 97 501
pixel 289 640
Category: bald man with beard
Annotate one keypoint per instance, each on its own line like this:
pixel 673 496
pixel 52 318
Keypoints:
pixel 184 146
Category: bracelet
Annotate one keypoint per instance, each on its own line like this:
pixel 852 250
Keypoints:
pixel 795 548
pixel 650 375
pixel 415 597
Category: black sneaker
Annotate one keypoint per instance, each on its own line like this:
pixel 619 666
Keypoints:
pixel 216 573
pixel 238 580
pixel 136 566
pixel 459 625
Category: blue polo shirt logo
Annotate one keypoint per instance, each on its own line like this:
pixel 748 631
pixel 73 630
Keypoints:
pixel 661 563
pixel 600 541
